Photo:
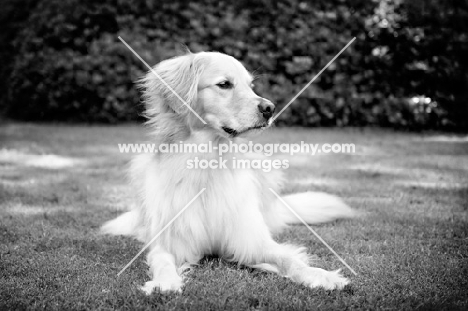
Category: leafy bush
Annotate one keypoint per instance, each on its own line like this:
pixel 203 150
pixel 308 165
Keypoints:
pixel 13 15
pixel 69 64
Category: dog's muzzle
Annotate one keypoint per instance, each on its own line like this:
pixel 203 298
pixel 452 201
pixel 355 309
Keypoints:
pixel 266 108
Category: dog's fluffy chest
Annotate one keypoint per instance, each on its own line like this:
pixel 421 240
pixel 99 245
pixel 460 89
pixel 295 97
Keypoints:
pixel 230 202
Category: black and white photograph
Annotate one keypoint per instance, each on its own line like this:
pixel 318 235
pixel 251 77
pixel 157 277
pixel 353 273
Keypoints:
pixel 234 155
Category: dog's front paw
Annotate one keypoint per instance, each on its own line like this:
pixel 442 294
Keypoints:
pixel 163 287
pixel 329 280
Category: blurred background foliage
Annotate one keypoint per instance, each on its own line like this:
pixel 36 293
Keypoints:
pixel 62 60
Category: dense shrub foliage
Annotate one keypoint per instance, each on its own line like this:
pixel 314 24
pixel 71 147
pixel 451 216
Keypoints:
pixel 407 68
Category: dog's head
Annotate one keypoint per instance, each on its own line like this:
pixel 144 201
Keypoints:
pixel 214 85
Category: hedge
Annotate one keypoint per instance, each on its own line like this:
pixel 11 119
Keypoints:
pixel 407 68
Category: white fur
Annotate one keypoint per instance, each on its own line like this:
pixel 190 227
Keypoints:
pixel 236 215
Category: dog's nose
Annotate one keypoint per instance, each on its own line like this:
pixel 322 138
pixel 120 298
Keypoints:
pixel 266 108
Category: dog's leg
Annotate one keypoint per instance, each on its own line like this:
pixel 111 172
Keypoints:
pixel 291 262
pixel 163 272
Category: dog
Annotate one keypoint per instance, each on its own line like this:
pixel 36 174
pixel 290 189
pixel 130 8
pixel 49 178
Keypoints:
pixel 237 215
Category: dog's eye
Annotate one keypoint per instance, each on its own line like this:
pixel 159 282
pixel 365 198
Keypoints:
pixel 225 85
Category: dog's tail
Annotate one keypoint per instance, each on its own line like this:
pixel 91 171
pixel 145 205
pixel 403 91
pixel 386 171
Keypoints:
pixel 125 224
pixel 313 208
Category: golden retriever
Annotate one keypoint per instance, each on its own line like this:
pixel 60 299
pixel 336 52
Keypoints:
pixel 236 216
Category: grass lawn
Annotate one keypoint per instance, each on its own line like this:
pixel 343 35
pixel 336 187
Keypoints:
pixel 58 184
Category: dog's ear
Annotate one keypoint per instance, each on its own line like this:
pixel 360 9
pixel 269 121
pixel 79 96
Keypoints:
pixel 172 84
